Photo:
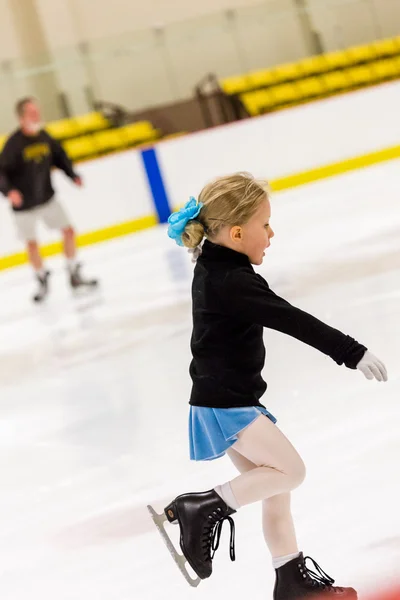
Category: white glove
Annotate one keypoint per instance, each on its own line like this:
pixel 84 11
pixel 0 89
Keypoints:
pixel 372 367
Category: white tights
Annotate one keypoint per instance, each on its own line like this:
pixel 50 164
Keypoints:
pixel 270 468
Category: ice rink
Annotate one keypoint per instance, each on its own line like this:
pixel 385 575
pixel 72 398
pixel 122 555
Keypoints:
pixel 93 408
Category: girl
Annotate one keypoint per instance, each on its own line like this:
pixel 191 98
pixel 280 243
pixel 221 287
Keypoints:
pixel 231 306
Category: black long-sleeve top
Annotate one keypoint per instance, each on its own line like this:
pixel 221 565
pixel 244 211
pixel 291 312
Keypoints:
pixel 231 306
pixel 26 163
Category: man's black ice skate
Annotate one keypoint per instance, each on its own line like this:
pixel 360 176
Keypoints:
pixel 200 517
pixel 43 290
pixel 295 581
pixel 77 281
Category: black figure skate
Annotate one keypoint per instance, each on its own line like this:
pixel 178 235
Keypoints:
pixel 77 281
pixel 295 581
pixel 200 517
pixel 43 287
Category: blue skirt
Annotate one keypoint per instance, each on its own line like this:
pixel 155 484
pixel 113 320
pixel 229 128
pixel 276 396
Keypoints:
pixel 213 430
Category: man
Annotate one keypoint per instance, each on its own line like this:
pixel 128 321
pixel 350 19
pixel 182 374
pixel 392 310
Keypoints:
pixel 25 166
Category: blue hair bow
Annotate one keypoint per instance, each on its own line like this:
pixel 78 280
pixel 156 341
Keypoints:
pixel 179 219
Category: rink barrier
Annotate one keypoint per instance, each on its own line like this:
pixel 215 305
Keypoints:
pixel 337 168
pixel 156 183
pixel 84 239
pixel 280 184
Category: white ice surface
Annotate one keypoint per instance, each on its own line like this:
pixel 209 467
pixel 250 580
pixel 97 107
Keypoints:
pixel 93 408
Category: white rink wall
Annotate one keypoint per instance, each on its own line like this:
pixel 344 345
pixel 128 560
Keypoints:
pixel 117 189
pixel 286 142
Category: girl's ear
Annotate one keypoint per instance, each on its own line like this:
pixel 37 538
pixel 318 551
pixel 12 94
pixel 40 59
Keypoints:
pixel 236 233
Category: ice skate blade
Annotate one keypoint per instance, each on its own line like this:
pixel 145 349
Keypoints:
pixel 179 559
pixel 84 290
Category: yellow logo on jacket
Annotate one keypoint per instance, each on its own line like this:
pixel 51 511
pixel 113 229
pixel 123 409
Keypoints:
pixel 36 152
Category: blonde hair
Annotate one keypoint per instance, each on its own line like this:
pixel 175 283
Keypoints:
pixel 230 200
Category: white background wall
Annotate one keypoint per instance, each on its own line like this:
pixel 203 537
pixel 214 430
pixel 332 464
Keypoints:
pixel 148 53
pixel 281 144
pixel 94 19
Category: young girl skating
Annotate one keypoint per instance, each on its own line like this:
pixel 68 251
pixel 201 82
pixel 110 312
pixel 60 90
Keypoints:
pixel 231 306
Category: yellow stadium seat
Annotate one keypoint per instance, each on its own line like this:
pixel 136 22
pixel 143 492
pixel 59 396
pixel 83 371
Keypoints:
pixel 109 140
pixel 287 72
pixel 363 75
pixel 137 133
pixel 335 82
pixel 63 129
pixel 236 85
pixel 361 54
pixel 91 122
pixel 313 65
pixel 285 94
pixel 310 87
pixel 258 102
pixel 385 69
pixel 397 42
pixel 397 64
pixel 3 139
pixel 80 147
pixel 172 136
pixel 263 78
pixel 387 47
pixel 250 103
pixel 338 60
pixel 266 101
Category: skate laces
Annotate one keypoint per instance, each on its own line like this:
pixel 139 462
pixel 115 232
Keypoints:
pixel 318 578
pixel 212 534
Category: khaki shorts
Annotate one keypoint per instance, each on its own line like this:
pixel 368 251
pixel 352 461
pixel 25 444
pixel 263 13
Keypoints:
pixel 52 214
